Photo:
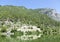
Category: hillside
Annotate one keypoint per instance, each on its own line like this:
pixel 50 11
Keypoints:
pixel 25 15
pixel 35 17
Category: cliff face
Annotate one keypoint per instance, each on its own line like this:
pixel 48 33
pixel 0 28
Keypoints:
pixel 52 13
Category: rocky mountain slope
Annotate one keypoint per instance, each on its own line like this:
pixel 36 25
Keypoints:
pixel 52 13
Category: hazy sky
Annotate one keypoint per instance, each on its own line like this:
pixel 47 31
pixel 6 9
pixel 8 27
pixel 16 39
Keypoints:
pixel 33 3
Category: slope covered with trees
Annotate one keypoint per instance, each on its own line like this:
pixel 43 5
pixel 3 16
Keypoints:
pixel 32 17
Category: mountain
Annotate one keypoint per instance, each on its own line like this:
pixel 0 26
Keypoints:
pixel 52 13
pixel 55 15
pixel 20 16
pixel 43 17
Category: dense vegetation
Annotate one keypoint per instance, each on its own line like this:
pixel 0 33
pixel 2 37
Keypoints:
pixel 50 27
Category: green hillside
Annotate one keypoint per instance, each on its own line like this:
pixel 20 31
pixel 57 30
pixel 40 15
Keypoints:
pixel 50 28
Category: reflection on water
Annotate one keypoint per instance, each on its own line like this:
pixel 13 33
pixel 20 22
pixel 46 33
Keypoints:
pixel 22 35
pixel 29 37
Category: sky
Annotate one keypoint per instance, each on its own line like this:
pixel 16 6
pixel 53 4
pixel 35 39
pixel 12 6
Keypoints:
pixel 55 4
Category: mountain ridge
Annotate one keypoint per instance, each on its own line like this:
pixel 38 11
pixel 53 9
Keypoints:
pixel 52 13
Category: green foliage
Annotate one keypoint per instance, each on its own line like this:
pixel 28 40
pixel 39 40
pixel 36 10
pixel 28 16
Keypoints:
pixel 27 16
pixel 32 17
